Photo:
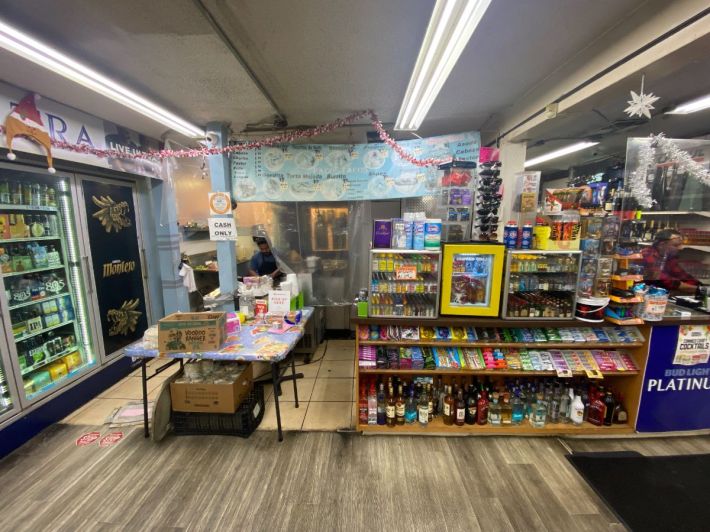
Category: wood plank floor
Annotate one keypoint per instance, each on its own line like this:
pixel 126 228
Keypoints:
pixel 311 481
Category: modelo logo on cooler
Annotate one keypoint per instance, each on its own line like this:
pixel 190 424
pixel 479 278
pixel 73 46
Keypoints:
pixel 118 267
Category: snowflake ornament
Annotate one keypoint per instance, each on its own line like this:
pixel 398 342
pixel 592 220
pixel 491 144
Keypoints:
pixel 641 104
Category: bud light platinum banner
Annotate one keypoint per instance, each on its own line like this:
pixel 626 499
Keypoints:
pixel 118 278
pixel 676 394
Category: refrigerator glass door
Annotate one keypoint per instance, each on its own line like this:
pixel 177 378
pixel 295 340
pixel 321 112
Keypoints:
pixel 471 280
pixel 8 402
pixel 50 339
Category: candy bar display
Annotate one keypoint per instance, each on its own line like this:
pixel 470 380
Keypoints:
pixel 541 284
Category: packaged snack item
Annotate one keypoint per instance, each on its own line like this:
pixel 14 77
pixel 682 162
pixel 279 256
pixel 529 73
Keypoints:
pixel 443 334
pixel 458 334
pixel 410 333
pixel 427 333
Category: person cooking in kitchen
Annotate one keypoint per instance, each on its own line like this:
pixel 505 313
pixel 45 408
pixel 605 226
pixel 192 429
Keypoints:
pixel 661 265
pixel 264 261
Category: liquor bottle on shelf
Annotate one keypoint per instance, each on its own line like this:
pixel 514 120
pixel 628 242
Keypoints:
pixel 460 409
pixel 448 407
pixel 471 406
pixel 564 406
pixel 597 411
pixel 363 405
pixel 430 399
pixel 494 410
pixel 399 408
pixel 621 416
pixel 390 406
pixel 539 413
pixel 482 408
pixel 577 409
pixel 609 412
pixel 423 410
pixel 381 405
pixel 410 407
pixel 372 405
pixel 440 401
pixel 506 410
pixel 517 409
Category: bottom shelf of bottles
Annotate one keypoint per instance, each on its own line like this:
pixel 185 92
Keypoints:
pixel 437 426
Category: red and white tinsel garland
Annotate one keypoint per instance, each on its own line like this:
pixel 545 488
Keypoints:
pixel 283 138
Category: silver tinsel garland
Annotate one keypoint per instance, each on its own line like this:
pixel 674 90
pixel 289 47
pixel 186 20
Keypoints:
pixel 638 180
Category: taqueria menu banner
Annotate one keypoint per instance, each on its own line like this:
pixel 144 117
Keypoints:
pixel 344 172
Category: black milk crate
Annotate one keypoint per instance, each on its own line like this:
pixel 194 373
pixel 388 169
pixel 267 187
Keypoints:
pixel 242 423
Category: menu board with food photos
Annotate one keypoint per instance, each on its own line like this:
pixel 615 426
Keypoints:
pixel 345 172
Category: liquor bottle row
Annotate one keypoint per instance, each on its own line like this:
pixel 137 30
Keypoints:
pixel 414 305
pixel 392 286
pixel 532 282
pixel 396 262
pixel 537 402
pixel 563 362
pixel 534 263
pixel 539 304
pixel 33 287
pixel 538 335
pixel 27 193
pixel 35 318
pixel 18 258
pixel 39 349
pixel 28 226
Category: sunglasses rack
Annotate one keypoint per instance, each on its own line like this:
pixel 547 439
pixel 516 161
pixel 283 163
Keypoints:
pixel 487 196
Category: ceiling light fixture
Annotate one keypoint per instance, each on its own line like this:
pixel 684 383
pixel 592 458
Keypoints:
pixel 20 43
pixel 559 153
pixel 692 106
pixel 450 27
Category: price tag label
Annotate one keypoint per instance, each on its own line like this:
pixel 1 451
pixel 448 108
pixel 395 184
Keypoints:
pixel 406 273
pixel 564 373
pixel 593 374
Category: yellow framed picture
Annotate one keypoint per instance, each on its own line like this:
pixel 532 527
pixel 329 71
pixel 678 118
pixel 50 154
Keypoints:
pixel 471 279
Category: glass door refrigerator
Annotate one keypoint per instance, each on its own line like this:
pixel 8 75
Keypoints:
pixel 44 311
pixel 8 392
pixel 471 279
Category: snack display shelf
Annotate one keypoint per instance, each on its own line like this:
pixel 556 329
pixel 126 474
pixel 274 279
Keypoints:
pixel 55 384
pixel 489 372
pixel 37 301
pixel 532 345
pixel 35 270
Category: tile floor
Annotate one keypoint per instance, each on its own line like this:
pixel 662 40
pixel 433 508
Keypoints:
pixel 326 393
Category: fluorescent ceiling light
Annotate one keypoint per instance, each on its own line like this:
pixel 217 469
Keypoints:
pixel 41 54
pixel 559 153
pixel 692 106
pixel 451 25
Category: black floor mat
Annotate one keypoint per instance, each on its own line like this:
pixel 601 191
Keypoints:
pixel 651 493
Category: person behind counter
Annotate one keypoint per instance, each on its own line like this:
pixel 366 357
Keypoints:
pixel 661 264
pixel 264 261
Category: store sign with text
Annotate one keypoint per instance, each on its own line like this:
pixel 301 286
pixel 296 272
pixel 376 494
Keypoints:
pixel 222 228
pixel 118 275
pixel 345 172
pixel 676 387
pixel 66 124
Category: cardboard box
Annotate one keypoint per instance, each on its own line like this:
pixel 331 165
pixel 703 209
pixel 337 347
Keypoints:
pixel 212 398
pixel 191 332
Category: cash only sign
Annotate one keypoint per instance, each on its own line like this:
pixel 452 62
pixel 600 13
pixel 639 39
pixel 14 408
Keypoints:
pixel 221 223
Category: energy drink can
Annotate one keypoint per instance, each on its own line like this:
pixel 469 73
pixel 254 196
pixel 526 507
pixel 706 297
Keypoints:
pixel 510 235
pixel 526 236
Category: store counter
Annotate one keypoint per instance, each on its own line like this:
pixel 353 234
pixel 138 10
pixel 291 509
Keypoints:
pixel 254 343
pixel 660 369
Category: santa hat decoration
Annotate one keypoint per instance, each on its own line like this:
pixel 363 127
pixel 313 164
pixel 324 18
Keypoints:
pixel 25 121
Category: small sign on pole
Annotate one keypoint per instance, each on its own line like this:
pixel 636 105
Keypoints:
pixel 222 228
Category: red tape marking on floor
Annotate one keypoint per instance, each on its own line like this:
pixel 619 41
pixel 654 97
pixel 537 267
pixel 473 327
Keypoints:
pixel 111 439
pixel 87 439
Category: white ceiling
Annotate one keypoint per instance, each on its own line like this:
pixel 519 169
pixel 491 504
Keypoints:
pixel 319 59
